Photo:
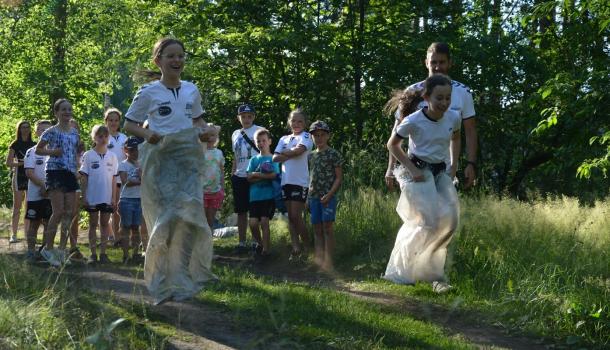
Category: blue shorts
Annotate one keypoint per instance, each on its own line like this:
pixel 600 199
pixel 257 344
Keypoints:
pixel 320 213
pixel 130 210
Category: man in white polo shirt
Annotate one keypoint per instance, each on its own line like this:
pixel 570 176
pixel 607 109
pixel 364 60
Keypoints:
pixel 438 61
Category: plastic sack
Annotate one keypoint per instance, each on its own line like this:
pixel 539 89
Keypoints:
pixel 429 211
pixel 179 253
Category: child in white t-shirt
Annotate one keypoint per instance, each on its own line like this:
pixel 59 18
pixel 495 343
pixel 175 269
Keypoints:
pixel 38 204
pixel 213 187
pixel 130 205
pixel 99 170
pixel 429 205
pixel 116 141
pixel 292 151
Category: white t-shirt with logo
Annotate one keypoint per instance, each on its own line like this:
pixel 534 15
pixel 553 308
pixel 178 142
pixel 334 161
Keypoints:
pixel 168 110
pixel 132 173
pixel 100 170
pixel 36 162
pixel 295 171
pixel 115 144
pixel 429 139
pixel 242 150
pixel 461 99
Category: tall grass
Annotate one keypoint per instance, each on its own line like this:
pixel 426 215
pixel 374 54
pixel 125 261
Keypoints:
pixel 543 266
pixel 40 309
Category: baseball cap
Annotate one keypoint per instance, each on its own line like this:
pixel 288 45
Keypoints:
pixel 133 142
pixel 319 125
pixel 245 108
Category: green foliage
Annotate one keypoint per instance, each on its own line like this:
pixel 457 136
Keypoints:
pixel 538 104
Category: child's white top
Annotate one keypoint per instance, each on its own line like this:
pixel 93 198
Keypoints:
pixel 168 110
pixel 295 171
pixel 36 162
pixel 100 170
pixel 461 99
pixel 132 173
pixel 429 139
pixel 242 150
pixel 116 143
pixel 214 174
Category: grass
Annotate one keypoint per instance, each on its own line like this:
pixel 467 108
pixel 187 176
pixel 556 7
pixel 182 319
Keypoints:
pixel 541 268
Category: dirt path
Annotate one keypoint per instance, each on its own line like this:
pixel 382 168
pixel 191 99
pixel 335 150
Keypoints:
pixel 200 326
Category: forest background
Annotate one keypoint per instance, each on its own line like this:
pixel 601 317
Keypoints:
pixel 539 71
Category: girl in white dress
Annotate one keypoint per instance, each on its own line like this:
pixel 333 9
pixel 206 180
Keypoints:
pixel 428 203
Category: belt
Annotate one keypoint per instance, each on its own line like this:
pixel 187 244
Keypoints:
pixel 435 168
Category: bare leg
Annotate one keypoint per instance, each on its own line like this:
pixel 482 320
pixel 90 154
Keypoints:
pixel 329 246
pixel 75 221
pixel 66 220
pixel 266 234
pixel 93 222
pixel 319 244
pixel 144 234
pixel 135 239
pixel 210 215
pixel 242 226
pixel 31 234
pixel 125 241
pixel 256 233
pixel 298 230
pixel 104 231
pixel 18 199
pixel 57 203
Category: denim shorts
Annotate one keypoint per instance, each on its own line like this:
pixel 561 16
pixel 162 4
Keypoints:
pixel 320 213
pixel 131 212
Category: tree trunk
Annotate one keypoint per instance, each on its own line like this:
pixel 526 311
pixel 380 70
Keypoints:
pixel 58 64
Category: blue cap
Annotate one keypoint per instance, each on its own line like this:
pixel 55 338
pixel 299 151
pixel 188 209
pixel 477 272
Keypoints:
pixel 246 108
pixel 133 142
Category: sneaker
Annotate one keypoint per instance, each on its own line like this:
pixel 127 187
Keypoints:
pixel 104 259
pixel 295 257
pixel 30 257
pixel 76 255
pixel 13 239
pixel 241 249
pixel 92 260
pixel 63 258
pixel 440 287
pixel 257 249
pixel 50 257
pixel 137 258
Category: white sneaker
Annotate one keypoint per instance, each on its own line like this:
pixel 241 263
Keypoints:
pixel 440 287
pixel 13 239
pixel 50 257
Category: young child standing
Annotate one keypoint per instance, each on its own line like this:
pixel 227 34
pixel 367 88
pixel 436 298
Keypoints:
pixel 179 252
pixel 19 181
pixel 130 205
pixel 112 119
pixel 99 172
pixel 213 189
pixel 60 142
pixel 244 149
pixel 326 174
pixel 38 208
pixel 261 172
pixel 292 151
pixel 428 205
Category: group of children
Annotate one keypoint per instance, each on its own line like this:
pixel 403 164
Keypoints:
pixel 61 177
pixel 308 178
pixel 110 176
pixel 179 252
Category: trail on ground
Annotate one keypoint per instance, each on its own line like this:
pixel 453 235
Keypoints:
pixel 200 326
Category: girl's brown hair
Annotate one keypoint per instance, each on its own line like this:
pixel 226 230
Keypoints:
pixel 160 45
pixel 18 132
pixel 406 101
pixel 109 111
pixel 298 111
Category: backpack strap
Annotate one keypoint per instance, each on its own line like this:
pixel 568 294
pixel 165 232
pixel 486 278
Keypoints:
pixel 249 141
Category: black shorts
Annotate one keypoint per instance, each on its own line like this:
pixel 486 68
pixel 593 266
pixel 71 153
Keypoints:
pixel 294 193
pixel 62 180
pixel 102 208
pixel 262 209
pixel 241 194
pixel 39 210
